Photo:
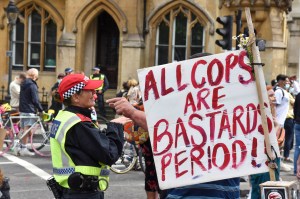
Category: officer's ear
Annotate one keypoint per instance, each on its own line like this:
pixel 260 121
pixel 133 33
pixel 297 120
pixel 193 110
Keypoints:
pixel 75 98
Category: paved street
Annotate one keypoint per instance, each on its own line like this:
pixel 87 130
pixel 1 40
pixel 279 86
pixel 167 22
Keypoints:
pixel 28 179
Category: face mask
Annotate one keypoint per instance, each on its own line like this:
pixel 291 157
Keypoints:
pixel 59 80
pixel 287 86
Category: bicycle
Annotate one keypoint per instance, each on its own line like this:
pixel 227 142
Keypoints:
pixel 131 155
pixel 6 139
pixel 38 139
pixel 6 134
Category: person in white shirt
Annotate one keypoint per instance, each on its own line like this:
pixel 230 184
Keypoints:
pixel 295 87
pixel 14 90
pixel 282 105
pixel 134 93
pixel 282 98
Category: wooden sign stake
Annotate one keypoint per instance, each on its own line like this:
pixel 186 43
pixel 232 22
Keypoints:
pixel 256 59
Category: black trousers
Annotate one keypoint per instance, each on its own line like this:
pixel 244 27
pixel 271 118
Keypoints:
pixel 100 99
pixel 70 194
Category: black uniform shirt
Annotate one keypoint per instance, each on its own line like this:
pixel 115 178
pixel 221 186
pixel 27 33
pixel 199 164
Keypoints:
pixel 87 145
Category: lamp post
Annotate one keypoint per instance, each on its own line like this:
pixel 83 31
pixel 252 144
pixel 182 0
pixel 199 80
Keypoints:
pixel 12 13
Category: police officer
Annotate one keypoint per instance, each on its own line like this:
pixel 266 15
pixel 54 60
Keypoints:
pixel 68 71
pixel 81 153
pixel 100 91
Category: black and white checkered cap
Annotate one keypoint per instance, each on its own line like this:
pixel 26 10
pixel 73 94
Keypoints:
pixel 73 90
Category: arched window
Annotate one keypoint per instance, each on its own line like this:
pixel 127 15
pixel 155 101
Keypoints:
pixel 179 35
pixel 34 40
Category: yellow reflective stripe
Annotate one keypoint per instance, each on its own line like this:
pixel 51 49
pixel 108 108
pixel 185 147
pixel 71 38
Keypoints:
pixel 88 170
pixel 98 78
pixel 61 138
pixel 101 78
pixel 63 165
pixel 61 133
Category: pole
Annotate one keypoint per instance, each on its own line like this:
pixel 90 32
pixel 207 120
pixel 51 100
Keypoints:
pixel 238 27
pixel 259 85
pixel 10 59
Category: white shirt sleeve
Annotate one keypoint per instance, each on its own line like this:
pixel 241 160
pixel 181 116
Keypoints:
pixel 278 95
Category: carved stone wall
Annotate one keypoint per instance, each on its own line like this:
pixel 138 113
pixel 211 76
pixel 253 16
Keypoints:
pixel 76 39
pixel 294 40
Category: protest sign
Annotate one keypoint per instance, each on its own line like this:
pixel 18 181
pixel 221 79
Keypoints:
pixel 203 117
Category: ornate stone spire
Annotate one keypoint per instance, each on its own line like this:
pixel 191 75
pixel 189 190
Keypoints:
pixel 285 5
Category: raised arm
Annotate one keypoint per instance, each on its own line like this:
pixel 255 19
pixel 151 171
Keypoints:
pixel 123 107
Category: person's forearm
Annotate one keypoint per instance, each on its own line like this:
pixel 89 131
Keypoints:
pixel 139 118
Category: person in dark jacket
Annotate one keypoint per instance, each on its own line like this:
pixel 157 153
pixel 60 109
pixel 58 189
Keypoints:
pixel 56 105
pixel 101 90
pixel 29 106
pixel 297 135
pixel 81 152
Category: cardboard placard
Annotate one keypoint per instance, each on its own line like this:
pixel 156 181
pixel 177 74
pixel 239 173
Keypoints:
pixel 203 117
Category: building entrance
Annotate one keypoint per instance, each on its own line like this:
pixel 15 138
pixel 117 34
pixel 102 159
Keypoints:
pixel 107 52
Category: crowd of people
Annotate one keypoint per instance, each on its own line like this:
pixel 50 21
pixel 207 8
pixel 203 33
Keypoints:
pixel 74 98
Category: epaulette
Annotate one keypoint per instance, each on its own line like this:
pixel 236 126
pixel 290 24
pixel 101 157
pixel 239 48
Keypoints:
pixel 83 118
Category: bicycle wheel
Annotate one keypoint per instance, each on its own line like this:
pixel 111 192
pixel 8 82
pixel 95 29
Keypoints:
pixel 8 140
pixel 38 140
pixel 127 159
pixel 142 160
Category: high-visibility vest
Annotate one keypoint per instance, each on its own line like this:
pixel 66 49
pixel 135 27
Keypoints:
pixel 63 165
pixel 98 78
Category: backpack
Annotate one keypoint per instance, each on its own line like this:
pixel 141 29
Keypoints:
pixel 276 88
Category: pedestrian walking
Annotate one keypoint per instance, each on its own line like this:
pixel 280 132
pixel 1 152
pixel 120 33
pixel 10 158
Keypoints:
pixel 14 90
pixel 29 106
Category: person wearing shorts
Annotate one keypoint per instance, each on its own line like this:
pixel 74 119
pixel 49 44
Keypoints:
pixel 29 106
pixel 27 121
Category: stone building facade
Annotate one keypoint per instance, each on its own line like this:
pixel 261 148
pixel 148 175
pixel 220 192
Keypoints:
pixel 294 40
pixel 124 35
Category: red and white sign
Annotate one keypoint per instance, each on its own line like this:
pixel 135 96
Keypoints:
pixel 203 119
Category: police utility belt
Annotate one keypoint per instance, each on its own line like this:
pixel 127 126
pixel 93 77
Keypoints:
pixel 78 183
pixel 86 183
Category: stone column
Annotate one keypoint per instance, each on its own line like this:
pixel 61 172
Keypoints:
pixel 276 48
pixel 66 52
